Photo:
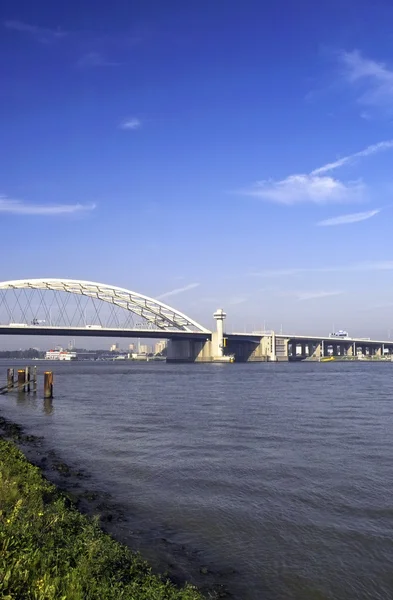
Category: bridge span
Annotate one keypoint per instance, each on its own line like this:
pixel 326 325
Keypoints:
pixel 31 329
pixel 282 347
pixel 66 307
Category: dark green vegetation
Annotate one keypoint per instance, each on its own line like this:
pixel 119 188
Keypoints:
pixel 49 551
pixel 30 353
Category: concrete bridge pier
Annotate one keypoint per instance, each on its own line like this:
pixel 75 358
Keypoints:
pixel 269 349
pixel 282 348
pixel 316 350
pixel 188 350
pixel 350 350
pixel 377 351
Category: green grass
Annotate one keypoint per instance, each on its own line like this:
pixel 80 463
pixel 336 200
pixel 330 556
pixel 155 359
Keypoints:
pixel 48 550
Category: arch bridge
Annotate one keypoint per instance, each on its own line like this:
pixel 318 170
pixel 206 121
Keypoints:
pixel 87 308
pixel 68 307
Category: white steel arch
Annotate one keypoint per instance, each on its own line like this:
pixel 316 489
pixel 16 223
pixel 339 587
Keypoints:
pixel 156 312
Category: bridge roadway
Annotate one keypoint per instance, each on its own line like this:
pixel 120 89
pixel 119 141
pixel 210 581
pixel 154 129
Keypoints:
pixel 102 332
pixel 197 346
pixel 256 336
pixel 281 346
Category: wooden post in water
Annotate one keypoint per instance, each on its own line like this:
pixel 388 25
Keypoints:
pixel 48 384
pixel 27 379
pixel 34 379
pixel 10 378
pixel 21 380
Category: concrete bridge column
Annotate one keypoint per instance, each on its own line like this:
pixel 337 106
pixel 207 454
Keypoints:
pixel 179 351
pixel 317 350
pixel 273 355
pixel 189 350
pixel 378 351
pixel 349 349
pixel 281 349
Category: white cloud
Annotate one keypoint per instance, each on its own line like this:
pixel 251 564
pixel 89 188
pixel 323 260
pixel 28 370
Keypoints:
pixel 302 295
pixel 373 149
pixel 131 124
pixel 176 291
pixel 316 295
pixel 95 59
pixel 41 34
pixel 386 265
pixel 307 188
pixel 17 207
pixel 375 77
pixel 347 219
pixel 317 187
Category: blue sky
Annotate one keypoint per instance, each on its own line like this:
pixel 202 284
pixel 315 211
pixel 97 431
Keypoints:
pixel 231 154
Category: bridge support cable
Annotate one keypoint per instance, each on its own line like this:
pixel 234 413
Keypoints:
pixel 77 303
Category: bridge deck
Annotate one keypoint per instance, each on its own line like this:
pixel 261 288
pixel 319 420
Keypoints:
pixel 255 337
pixel 103 332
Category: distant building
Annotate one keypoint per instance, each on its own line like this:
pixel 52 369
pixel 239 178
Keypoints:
pixel 160 346
pixel 144 349
pixel 114 348
pixel 131 347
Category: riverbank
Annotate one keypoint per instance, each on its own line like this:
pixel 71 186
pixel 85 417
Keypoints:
pixel 50 550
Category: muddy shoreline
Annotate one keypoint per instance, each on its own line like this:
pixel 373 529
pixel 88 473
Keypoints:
pixel 179 563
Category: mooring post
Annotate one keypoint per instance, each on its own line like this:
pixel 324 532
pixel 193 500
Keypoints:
pixel 10 378
pixel 27 379
pixel 48 384
pixel 34 379
pixel 21 380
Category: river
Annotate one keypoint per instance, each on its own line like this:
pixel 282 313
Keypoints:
pixel 276 477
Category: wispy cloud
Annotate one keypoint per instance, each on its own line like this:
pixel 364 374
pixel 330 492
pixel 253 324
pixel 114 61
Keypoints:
pixel 131 124
pixel 176 291
pixel 312 294
pixel 347 219
pixel 378 306
pixel 95 59
pixel 317 187
pixel 17 207
pixel 373 149
pixel 374 78
pixel 44 35
pixel 386 265
pixel 316 295
pixel 307 188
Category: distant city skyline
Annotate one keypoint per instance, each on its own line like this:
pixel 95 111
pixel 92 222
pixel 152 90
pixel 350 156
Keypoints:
pixel 206 154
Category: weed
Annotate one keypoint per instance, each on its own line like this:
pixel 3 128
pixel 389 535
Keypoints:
pixel 49 551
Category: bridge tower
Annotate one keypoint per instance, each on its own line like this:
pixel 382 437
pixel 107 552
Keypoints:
pixel 218 336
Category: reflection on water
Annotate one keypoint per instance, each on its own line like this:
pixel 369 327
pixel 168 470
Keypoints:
pixel 48 406
pixel 281 472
